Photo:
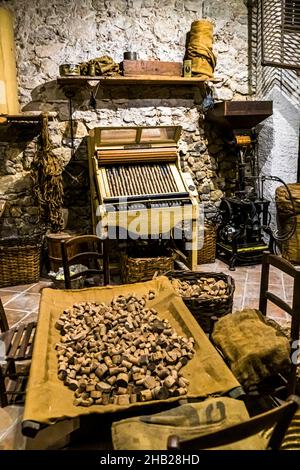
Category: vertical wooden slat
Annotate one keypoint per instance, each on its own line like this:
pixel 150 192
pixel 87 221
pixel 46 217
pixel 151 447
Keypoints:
pixel 8 75
pixel 25 341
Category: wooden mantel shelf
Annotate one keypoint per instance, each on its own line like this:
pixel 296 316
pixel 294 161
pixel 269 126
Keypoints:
pixel 24 117
pixel 133 80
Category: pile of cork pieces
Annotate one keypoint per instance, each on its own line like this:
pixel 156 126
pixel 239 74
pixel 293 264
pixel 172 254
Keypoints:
pixel 121 353
pixel 202 288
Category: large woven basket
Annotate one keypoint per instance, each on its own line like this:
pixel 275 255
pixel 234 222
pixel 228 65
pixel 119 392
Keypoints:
pixel 135 269
pixel 290 249
pixel 204 309
pixel 20 260
pixel 207 254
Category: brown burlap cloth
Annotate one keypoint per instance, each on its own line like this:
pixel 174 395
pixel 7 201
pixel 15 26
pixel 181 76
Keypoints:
pixel 199 48
pixel 104 65
pixel 253 347
pixel 187 421
pixel 48 400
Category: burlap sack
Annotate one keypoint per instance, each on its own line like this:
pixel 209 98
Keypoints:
pixel 187 421
pixel 199 48
pixel 253 348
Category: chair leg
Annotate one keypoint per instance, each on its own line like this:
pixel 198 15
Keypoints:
pixel 105 262
pixel 264 284
pixel 3 395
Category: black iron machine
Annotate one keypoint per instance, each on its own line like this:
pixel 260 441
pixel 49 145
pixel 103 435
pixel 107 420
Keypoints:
pixel 244 215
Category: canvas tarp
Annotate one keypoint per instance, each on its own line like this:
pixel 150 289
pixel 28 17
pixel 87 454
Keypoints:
pixel 47 398
pixel 187 421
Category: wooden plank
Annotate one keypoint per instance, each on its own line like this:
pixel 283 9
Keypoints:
pixel 7 337
pixel 25 343
pixel 16 342
pixel 8 74
pixel 151 67
pixel 135 80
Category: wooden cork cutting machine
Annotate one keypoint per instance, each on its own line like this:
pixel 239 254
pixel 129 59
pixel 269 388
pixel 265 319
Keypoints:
pixel 138 188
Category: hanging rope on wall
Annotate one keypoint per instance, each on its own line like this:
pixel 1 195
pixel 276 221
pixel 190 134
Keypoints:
pixel 48 184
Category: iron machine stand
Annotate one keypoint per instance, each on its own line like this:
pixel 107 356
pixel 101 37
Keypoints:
pixel 244 214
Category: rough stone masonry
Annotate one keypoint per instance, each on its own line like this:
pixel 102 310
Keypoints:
pixel 48 34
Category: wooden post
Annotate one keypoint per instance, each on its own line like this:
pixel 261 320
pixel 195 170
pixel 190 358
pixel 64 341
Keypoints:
pixel 9 103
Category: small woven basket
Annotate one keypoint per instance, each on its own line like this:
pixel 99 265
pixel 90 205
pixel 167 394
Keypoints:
pixel 204 309
pixel 207 254
pixel 20 260
pixel 134 269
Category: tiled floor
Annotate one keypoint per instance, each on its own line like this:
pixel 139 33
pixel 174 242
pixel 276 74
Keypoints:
pixel 21 303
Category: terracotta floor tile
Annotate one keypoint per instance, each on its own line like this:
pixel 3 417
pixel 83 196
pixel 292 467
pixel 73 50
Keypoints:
pixel 20 288
pixel 37 288
pixel 250 302
pixel 7 295
pixel 237 303
pixel 275 276
pixel 253 289
pixel 254 267
pixel 288 282
pixel 238 276
pixel 239 288
pixel 289 290
pixel 14 316
pixel 30 317
pixel 220 264
pixel 275 312
pixel 211 267
pixel 254 276
pixel 25 302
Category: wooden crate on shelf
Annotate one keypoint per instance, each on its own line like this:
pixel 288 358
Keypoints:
pixel 151 67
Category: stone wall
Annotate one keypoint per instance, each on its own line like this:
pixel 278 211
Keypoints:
pixel 48 34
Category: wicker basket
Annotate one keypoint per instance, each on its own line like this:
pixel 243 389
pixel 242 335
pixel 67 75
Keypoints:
pixel 207 254
pixel 20 260
pixel 290 249
pixel 135 269
pixel 204 309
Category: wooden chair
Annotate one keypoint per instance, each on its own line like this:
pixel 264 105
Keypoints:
pixel 88 250
pixel 265 295
pixel 279 417
pixel 18 345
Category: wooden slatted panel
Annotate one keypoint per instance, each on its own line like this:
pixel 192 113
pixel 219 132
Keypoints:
pixel 16 341
pixel 7 338
pixel 25 342
pixel 32 342
pixel 280 32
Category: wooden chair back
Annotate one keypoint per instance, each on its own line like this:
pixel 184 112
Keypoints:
pixel 294 310
pixel 16 345
pixel 3 320
pixel 279 417
pixel 88 250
